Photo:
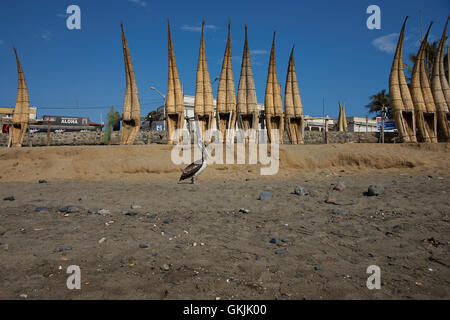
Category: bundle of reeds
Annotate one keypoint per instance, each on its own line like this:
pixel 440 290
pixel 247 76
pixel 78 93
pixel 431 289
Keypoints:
pixel 246 107
pixel 400 96
pixel 440 89
pixel 175 96
pixel 295 122
pixel 226 96
pixel 204 101
pixel 131 118
pixel 273 101
pixel 425 109
pixel 22 110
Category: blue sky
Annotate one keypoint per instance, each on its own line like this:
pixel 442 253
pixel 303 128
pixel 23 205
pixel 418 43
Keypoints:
pixel 81 72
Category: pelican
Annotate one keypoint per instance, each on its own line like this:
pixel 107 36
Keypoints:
pixel 197 167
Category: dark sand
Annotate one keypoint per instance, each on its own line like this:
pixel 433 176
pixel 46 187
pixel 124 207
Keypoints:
pixel 405 231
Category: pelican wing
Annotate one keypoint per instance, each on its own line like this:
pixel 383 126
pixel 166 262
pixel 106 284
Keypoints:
pixel 191 170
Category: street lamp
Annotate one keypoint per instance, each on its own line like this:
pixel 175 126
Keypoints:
pixel 164 99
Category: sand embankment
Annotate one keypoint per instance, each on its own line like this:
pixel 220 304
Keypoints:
pixel 105 163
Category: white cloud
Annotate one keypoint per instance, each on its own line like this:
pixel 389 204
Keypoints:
pixel 186 27
pixel 141 3
pixel 386 43
pixel 259 52
pixel 46 35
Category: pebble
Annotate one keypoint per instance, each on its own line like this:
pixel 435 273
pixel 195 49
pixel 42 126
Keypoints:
pixel 273 241
pixel 94 211
pixel 127 213
pixel 344 202
pixel 178 246
pixel 265 195
pixel 69 248
pixel 23 295
pixel 340 212
pixel 317 268
pixel 168 220
pixel 9 198
pixel 42 209
pixel 143 246
pixel 101 240
pixel 285 240
pixel 299 190
pixel 243 210
pixel 165 267
pixel 71 209
pixel 103 211
pixel 280 252
pixel 375 190
pixel 339 187
pixel 42 181
pixel 135 206
pixel 330 200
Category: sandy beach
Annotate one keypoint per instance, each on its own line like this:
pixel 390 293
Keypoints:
pixel 118 213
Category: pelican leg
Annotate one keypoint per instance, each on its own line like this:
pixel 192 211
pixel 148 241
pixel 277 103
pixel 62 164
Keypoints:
pixel 193 180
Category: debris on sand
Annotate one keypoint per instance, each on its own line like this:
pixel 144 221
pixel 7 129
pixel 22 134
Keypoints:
pixel 339 187
pixel 375 190
pixel 265 195
pixel 301 191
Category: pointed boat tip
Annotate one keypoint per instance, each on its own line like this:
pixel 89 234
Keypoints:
pixel 428 31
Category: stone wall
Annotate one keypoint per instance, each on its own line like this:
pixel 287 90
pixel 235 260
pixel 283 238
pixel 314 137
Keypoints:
pixel 82 138
pixel 147 137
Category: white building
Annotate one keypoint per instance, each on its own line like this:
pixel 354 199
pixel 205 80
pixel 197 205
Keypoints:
pixel 318 123
pixel 358 124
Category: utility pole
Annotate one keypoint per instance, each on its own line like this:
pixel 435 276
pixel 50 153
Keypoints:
pixel 367 123
pixel 324 123
pixel 420 25
pixel 383 117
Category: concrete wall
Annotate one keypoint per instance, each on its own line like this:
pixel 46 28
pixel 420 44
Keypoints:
pixel 95 138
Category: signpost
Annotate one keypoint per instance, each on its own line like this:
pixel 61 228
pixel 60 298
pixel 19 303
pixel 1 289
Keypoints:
pixel 66 121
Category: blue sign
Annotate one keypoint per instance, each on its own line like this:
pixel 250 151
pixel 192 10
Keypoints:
pixel 389 125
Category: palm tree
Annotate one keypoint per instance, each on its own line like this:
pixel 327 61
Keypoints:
pixel 378 101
